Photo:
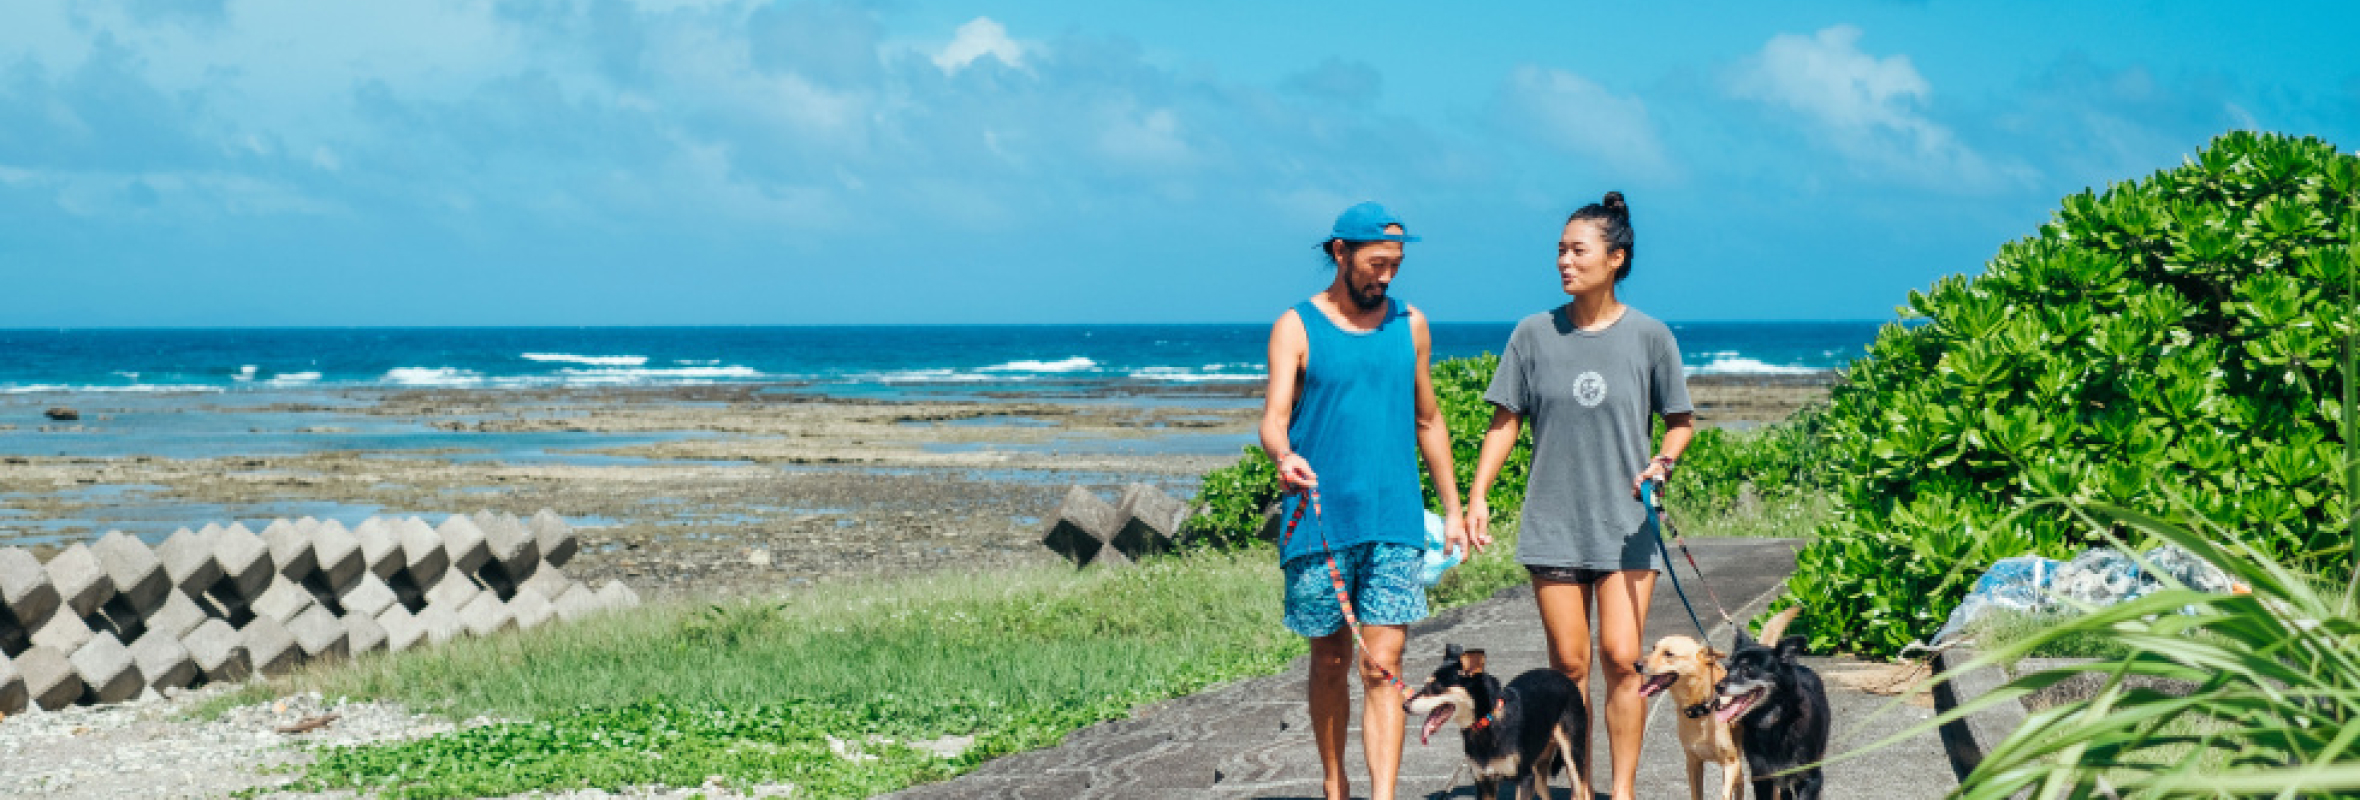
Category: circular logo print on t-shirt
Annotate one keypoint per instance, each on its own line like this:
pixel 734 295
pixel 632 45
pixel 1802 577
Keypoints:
pixel 1589 389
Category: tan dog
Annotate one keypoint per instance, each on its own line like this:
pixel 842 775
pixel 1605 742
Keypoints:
pixel 1693 671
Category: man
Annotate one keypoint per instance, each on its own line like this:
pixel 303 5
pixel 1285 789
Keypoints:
pixel 1349 394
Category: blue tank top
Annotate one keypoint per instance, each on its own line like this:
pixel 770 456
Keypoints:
pixel 1355 421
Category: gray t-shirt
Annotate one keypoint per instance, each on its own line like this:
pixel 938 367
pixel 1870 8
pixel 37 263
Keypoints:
pixel 1589 397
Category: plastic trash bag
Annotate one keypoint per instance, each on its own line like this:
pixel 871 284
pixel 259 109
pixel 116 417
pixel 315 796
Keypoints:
pixel 1439 557
pixel 2099 576
pixel 2019 583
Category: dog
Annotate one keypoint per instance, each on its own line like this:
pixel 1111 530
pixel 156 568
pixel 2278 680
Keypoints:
pixel 1692 672
pixel 1782 717
pixel 1523 732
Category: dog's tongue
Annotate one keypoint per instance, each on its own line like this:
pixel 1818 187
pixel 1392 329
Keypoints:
pixel 1434 720
pixel 1656 683
pixel 1735 707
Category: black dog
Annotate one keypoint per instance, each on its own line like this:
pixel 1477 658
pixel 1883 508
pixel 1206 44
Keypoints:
pixel 1781 712
pixel 1524 732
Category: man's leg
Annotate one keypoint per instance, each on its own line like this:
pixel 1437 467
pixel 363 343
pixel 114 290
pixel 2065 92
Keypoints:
pixel 1381 716
pixel 1622 616
pixel 1331 707
pixel 1565 617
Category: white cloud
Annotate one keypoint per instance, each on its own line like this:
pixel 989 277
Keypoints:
pixel 1870 109
pixel 1572 113
pixel 978 38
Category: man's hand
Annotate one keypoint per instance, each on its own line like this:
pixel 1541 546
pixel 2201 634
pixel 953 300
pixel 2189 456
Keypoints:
pixel 1456 538
pixel 1294 474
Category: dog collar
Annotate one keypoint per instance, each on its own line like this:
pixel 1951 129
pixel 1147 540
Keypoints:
pixel 1485 722
pixel 1698 710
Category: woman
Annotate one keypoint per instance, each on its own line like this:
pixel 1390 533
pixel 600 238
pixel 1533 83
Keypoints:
pixel 1588 374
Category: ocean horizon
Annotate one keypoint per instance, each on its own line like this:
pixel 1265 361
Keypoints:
pixel 869 357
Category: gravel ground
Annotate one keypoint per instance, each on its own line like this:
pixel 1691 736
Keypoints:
pixel 147 748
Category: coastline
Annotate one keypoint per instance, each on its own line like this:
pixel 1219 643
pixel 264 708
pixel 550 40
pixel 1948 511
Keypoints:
pixel 705 490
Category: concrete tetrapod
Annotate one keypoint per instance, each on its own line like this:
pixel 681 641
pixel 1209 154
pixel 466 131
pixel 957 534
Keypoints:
pixel 218 651
pixel 49 678
pixel 137 575
pixel 109 673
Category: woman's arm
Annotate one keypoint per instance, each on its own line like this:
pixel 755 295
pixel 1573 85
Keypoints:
pixel 1678 428
pixel 1498 441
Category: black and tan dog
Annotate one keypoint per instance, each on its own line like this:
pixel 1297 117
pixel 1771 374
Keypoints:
pixel 1782 717
pixel 1522 732
pixel 1692 672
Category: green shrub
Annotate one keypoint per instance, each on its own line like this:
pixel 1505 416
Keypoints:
pixel 1230 502
pixel 2177 330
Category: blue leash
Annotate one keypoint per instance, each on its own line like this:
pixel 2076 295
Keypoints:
pixel 1647 497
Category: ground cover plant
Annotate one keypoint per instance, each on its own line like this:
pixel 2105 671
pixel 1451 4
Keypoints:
pixel 2175 331
pixel 753 691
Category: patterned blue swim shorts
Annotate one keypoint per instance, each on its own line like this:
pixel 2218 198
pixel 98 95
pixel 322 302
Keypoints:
pixel 1383 580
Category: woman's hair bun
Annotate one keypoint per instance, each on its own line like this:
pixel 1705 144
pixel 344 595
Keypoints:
pixel 1614 202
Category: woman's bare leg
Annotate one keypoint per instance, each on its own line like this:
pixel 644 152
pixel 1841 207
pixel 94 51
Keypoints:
pixel 1565 617
pixel 1622 599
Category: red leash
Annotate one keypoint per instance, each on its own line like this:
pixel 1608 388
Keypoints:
pixel 1336 576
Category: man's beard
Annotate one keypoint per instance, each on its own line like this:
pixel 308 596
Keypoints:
pixel 1367 299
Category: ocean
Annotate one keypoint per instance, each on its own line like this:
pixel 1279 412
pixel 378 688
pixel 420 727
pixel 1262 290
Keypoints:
pixel 853 360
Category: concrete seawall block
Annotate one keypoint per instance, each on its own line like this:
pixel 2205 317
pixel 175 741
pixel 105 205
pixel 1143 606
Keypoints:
pixel 402 630
pixel 270 646
pixel 13 695
pixel 555 538
pixel 529 609
pixel 81 583
pixel 380 547
pixel 362 634
pixel 464 542
pixel 578 601
pixel 50 679
pixel 188 561
pixel 367 596
pixel 176 616
pixel 511 543
pixel 486 615
pixel 454 592
pixel 244 559
pixel 25 588
pixel 549 582
pixel 440 623
pixel 338 553
pixel 319 634
pixel 65 633
pixel 163 662
pixel 109 674
pixel 137 575
pixel 428 561
pixel 218 651
pixel 1150 521
pixel 283 601
pixel 290 548
pixel 614 595
pixel 1082 525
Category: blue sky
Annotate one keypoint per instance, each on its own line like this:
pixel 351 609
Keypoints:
pixel 531 162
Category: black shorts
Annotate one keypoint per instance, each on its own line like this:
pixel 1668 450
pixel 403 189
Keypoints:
pixel 1581 575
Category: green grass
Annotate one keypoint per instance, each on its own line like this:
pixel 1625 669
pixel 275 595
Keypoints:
pixel 672 693
pixel 1794 515
pixel 2004 627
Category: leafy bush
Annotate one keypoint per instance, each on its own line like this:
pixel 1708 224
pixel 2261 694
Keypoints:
pixel 1458 389
pixel 1230 502
pixel 2175 330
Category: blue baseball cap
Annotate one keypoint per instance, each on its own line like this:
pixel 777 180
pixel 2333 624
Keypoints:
pixel 1366 222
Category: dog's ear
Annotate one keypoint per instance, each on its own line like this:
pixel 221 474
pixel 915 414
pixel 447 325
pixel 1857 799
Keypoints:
pixel 1451 652
pixel 1471 662
pixel 1791 648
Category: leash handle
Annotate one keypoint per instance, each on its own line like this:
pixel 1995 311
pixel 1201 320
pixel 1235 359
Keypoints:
pixel 1336 577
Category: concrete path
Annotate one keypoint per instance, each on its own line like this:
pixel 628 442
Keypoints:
pixel 1251 739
